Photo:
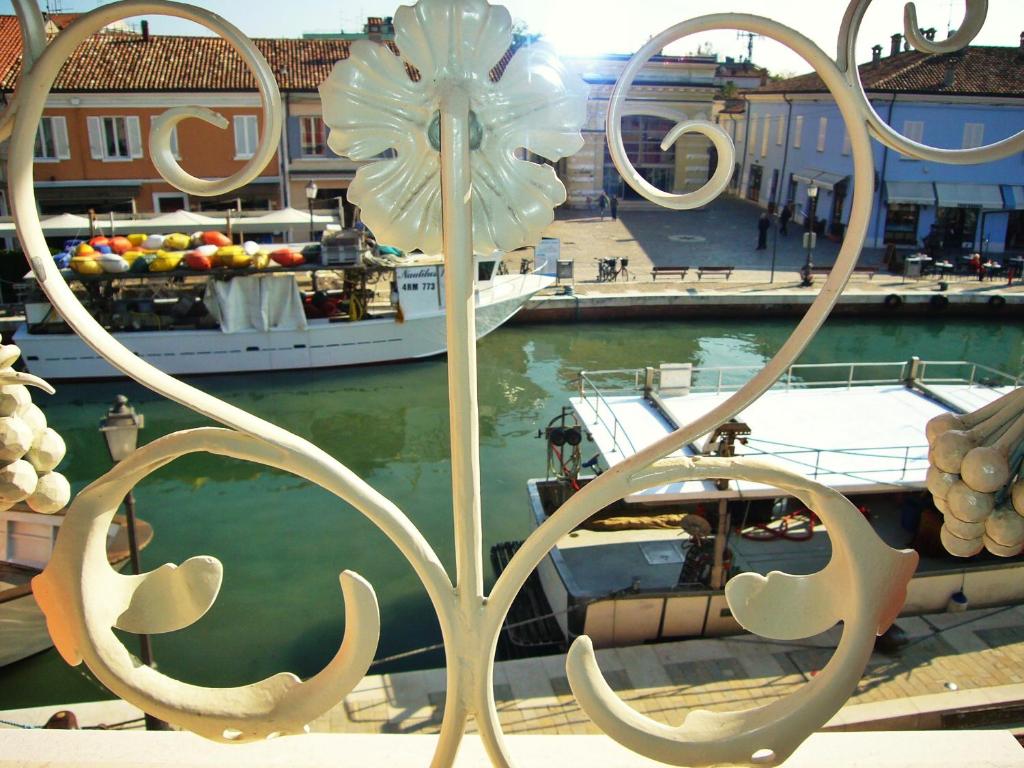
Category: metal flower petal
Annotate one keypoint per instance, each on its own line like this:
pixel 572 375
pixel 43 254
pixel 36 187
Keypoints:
pixel 372 105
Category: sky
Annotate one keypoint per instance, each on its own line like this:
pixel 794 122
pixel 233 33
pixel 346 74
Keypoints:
pixel 589 27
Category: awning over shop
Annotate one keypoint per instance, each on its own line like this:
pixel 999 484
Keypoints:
pixel 968 195
pixel 806 176
pixel 1014 197
pixel 820 179
pixel 913 192
pixel 82 198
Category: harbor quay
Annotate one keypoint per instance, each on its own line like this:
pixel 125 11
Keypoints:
pixel 726 275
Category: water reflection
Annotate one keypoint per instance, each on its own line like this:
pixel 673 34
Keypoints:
pixel 283 542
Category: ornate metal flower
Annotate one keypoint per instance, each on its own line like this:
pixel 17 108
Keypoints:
pixel 373 104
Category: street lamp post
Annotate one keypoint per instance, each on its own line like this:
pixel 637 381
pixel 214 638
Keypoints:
pixel 775 246
pixel 120 429
pixel 311 191
pixel 810 238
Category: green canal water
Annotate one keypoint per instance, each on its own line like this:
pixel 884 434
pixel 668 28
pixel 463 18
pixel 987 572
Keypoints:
pixel 283 542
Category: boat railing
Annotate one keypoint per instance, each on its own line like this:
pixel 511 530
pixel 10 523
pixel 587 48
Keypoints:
pixel 964 372
pixel 592 394
pixel 595 387
pixel 813 461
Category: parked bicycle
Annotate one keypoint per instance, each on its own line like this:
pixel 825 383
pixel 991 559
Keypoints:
pixel 610 270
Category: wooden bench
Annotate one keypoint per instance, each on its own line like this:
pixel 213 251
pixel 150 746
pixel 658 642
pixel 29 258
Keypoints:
pixel 869 271
pixel 725 272
pixel 668 271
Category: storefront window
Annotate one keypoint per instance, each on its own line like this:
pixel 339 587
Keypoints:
pixel 641 138
pixel 901 223
pixel 957 226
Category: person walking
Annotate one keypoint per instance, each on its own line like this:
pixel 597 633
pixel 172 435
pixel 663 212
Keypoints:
pixel 784 217
pixel 763 224
pixel 614 206
pixel 602 203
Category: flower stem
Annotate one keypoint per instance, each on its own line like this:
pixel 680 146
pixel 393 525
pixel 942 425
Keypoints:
pixel 457 224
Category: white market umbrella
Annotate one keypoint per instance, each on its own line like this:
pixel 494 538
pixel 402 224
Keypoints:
pixel 179 221
pixel 282 219
pixel 65 224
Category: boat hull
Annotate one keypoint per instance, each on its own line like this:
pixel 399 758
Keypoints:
pixel 630 615
pixel 323 344
pixel 23 629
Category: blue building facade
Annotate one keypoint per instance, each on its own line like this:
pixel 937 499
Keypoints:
pixel 791 137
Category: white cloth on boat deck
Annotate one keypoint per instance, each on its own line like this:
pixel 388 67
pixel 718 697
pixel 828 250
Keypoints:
pixel 256 303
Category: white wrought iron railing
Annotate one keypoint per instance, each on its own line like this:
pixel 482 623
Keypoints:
pixel 455 186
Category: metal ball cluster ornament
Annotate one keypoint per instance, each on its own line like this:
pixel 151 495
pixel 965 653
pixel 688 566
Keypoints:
pixel 973 460
pixel 457 184
pixel 29 450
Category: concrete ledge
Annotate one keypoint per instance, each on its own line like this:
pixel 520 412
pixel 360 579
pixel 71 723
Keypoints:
pixel 755 301
pixel 90 749
pixel 933 711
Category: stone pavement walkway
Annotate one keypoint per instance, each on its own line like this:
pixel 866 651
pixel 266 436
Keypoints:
pixel 722 234
pixel 964 659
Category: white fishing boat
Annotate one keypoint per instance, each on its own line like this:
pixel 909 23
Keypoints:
pixel 653 565
pixel 376 310
pixel 26 543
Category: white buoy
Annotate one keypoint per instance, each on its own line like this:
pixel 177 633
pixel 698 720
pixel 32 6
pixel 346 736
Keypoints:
pixel 939 482
pixel 47 451
pixel 52 494
pixel 17 481
pixel 988 468
pixel 999 550
pixel 960 547
pixel 963 530
pixel 969 505
pixel 15 438
pixel 13 397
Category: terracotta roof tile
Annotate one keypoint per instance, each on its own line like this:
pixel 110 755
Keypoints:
pixel 974 71
pixel 123 61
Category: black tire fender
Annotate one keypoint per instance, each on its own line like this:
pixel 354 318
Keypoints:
pixel 939 302
pixel 893 300
pixel 997 302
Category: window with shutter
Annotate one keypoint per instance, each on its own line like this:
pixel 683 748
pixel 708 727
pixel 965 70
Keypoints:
pixel 46 143
pixel 95 137
pixel 765 130
pixel 134 133
pixel 822 133
pixel 246 136
pixel 846 142
pixel 798 131
pixel 974 135
pixel 913 130
pixel 60 138
pixel 114 139
pixel 780 132
pixel 312 134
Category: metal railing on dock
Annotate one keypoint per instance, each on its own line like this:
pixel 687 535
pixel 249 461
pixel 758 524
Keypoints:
pixel 596 387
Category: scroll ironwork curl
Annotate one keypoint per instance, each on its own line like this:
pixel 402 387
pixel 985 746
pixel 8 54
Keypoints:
pixel 976 12
pixel 471 621
pixel 21 120
pixel 635 731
